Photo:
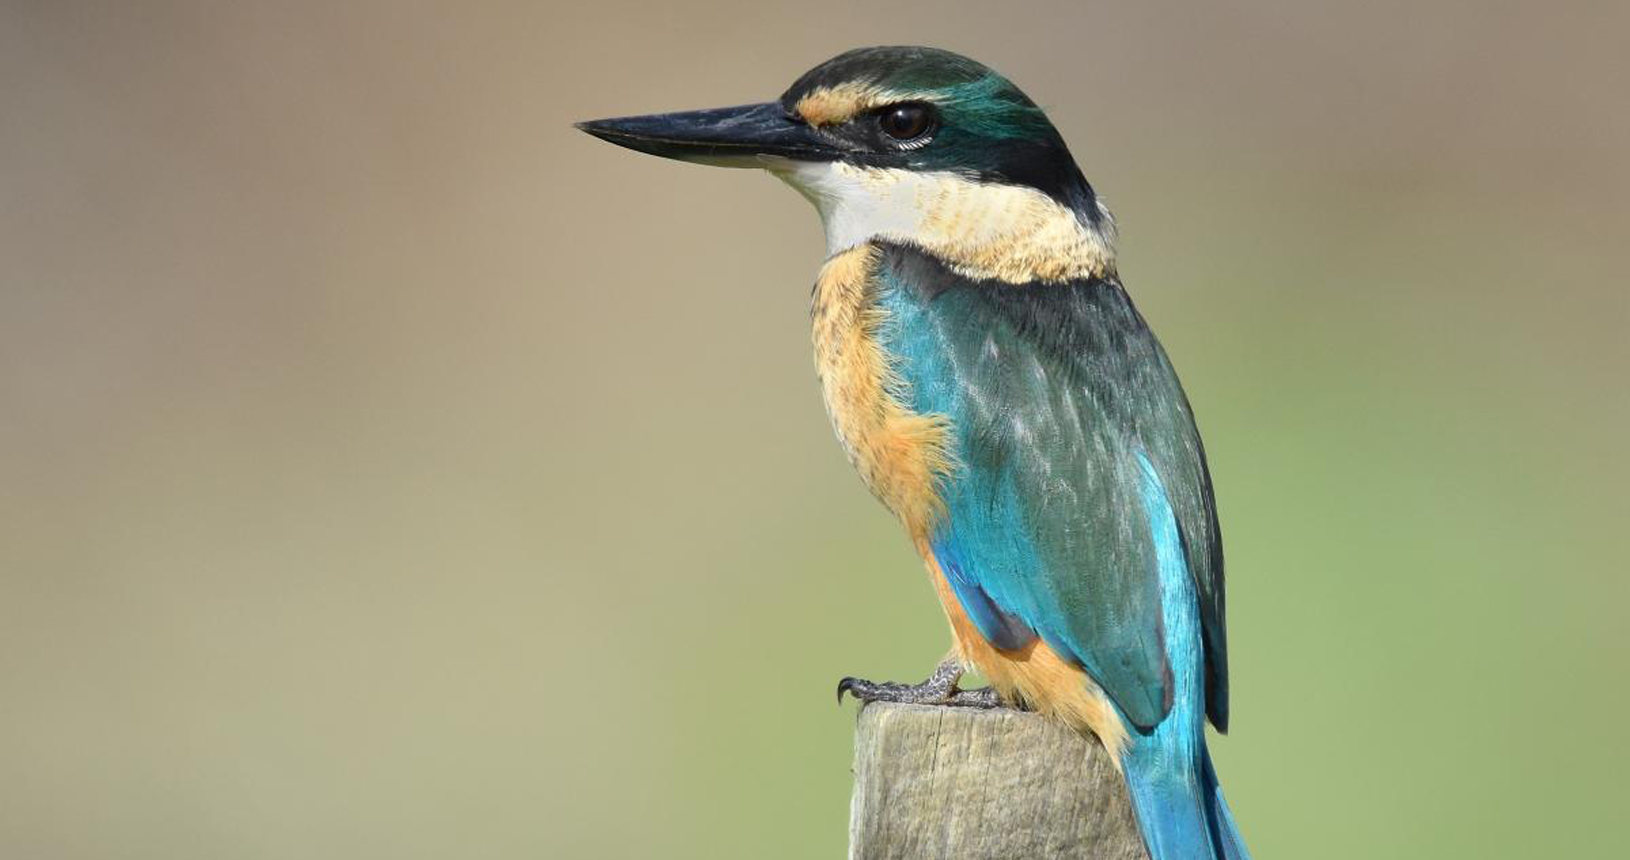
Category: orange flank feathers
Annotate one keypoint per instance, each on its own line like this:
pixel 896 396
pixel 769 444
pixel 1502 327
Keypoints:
pixel 901 455
pixel 1034 674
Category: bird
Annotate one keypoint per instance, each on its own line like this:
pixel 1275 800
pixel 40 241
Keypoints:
pixel 988 376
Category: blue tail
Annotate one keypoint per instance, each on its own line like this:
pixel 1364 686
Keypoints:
pixel 1179 805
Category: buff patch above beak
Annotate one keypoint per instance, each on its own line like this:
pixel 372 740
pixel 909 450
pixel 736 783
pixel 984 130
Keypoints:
pixel 837 105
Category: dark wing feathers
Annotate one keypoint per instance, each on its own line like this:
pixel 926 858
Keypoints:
pixel 1053 391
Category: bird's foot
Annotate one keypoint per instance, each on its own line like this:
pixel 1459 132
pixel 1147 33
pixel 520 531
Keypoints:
pixel 939 689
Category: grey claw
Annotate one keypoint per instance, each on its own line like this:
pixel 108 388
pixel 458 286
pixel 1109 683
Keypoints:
pixel 845 686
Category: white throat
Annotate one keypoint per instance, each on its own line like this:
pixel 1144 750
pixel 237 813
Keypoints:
pixel 985 230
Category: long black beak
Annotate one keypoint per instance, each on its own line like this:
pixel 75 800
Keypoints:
pixel 727 137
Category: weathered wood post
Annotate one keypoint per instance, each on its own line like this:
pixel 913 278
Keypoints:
pixel 972 784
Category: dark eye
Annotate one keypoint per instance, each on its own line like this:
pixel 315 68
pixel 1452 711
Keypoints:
pixel 905 122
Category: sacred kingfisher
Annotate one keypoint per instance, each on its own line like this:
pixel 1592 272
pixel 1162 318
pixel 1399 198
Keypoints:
pixel 990 379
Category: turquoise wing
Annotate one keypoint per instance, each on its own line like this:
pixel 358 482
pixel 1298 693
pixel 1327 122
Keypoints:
pixel 1058 394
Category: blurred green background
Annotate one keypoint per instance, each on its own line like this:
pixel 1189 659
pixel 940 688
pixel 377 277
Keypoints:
pixel 389 470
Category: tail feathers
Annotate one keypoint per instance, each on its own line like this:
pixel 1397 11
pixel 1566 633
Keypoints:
pixel 1223 829
pixel 1182 812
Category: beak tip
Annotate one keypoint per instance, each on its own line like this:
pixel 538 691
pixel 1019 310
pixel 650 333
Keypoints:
pixel 601 129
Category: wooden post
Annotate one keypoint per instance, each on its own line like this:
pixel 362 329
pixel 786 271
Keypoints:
pixel 972 784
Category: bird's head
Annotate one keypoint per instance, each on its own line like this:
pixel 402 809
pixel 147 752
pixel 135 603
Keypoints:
pixel 913 145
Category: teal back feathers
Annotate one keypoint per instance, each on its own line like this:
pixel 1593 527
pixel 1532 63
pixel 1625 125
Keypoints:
pixel 1054 393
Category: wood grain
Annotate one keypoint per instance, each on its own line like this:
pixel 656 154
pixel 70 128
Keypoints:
pixel 936 782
